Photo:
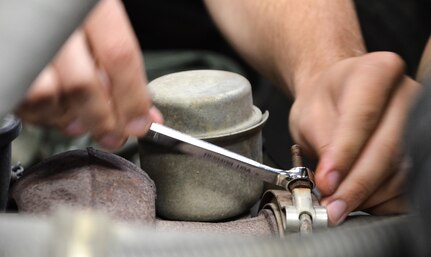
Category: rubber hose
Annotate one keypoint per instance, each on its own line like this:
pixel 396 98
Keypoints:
pixel 25 236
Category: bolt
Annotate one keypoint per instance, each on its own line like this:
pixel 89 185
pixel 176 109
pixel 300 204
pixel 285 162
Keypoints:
pixel 296 156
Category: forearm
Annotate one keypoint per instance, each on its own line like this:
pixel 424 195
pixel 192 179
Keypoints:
pixel 288 40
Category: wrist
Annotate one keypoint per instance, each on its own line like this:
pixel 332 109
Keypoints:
pixel 303 71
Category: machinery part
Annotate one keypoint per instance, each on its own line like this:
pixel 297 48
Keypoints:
pixel 183 143
pixel 303 205
pixel 88 179
pixel 289 207
pixel 298 180
pixel 304 213
pixel 62 234
pixel 9 130
pixel 46 24
pixel 92 179
pixel 215 106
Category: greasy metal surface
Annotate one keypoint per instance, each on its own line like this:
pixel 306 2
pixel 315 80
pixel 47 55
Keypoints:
pixel 215 106
pixel 88 179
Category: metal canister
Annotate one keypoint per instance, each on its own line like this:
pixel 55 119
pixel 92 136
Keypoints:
pixel 215 106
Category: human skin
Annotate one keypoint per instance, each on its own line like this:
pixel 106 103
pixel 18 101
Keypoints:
pixel 96 82
pixel 349 106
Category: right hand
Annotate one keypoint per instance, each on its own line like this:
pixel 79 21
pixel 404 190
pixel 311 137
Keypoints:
pixel 351 116
pixel 96 83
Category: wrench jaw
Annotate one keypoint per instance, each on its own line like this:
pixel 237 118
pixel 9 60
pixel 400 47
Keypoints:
pixel 295 177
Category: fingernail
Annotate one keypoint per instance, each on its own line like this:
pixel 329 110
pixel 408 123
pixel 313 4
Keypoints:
pixel 75 128
pixel 333 180
pixel 336 211
pixel 138 126
pixel 110 141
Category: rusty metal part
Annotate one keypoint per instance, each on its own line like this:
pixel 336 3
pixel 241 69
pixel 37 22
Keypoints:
pixel 89 179
pixel 296 156
pixel 215 106
pixel 301 196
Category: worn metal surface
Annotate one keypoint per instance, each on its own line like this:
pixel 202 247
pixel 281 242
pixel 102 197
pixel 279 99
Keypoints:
pixel 205 103
pixel 88 179
pixel 287 210
pixel 215 106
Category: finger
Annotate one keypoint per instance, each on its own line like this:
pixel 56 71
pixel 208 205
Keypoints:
pixel 156 115
pixel 361 107
pixel 377 163
pixel 312 123
pixel 87 101
pixel 40 105
pixel 117 51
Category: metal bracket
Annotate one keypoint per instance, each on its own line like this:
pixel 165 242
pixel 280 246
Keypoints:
pixel 289 209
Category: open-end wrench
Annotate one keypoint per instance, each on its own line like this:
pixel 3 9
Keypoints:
pixel 183 143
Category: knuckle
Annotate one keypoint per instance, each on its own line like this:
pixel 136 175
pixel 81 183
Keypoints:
pixel 389 61
pixel 80 88
pixel 120 53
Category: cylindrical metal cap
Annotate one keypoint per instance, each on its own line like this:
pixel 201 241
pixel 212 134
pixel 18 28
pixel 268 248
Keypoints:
pixel 205 103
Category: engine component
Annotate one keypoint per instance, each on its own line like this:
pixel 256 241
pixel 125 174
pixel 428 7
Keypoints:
pixel 300 214
pixel 88 179
pixel 215 106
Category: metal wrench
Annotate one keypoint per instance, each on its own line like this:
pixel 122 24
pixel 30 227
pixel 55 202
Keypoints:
pixel 183 143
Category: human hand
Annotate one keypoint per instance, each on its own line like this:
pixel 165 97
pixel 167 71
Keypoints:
pixel 351 116
pixel 96 83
